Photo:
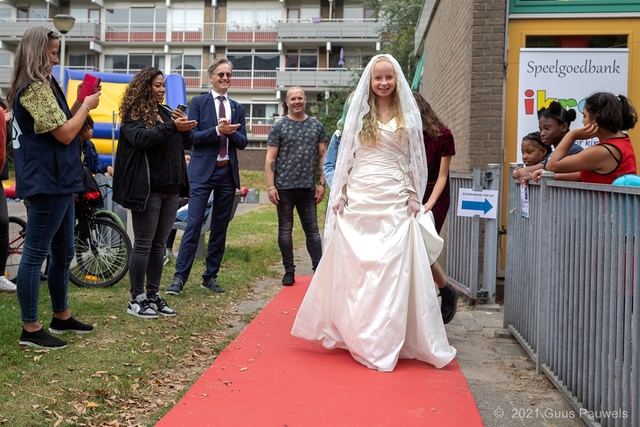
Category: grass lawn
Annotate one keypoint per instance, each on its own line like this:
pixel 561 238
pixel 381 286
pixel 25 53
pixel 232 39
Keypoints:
pixel 131 371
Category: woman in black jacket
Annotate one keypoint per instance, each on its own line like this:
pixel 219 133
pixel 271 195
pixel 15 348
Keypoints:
pixel 150 175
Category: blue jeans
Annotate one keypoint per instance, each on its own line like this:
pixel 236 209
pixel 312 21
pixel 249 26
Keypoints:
pixel 49 230
pixel 150 230
pixel 304 200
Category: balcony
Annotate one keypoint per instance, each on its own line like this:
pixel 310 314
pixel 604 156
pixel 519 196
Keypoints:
pixel 320 78
pixel 329 30
pixel 189 33
pixel 199 79
pixel 259 126
pixel 82 30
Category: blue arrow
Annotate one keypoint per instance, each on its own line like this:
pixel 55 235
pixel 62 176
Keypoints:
pixel 485 206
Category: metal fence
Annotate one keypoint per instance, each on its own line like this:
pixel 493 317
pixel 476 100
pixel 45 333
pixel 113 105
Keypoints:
pixel 464 239
pixel 572 295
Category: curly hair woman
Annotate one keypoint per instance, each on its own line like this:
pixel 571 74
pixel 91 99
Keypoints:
pixel 48 173
pixel 150 175
pixel 606 117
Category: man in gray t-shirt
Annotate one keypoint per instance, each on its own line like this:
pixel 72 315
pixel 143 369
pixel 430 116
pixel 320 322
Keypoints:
pixel 296 147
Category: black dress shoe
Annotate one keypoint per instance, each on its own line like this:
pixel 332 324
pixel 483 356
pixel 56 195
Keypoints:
pixel 449 303
pixel 212 285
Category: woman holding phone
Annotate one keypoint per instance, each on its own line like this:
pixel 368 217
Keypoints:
pixel 150 175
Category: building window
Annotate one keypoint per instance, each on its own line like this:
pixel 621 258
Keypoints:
pixel 32 14
pixel 301 59
pixel 187 19
pixel 248 19
pixel 262 114
pixel 579 41
pixel 187 65
pixel 137 15
pixel 87 61
pixel 82 14
pixel 6 14
pixel 254 60
pixel 132 63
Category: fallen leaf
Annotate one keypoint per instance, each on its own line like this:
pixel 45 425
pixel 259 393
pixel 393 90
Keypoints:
pixel 92 405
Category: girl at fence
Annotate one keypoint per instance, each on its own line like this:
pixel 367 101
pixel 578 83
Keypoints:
pixel 372 293
pixel 554 122
pixel 606 116
pixel 533 150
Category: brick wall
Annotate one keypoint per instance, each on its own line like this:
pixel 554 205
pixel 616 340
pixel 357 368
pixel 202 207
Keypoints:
pixel 463 77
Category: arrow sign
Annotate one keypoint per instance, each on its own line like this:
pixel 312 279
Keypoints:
pixel 477 203
pixel 477 206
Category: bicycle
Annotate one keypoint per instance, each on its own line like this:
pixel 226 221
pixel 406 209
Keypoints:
pixel 103 247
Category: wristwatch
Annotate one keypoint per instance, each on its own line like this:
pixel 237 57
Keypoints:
pixel 324 184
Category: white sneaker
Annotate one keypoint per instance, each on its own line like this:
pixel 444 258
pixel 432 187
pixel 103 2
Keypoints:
pixel 7 285
pixel 141 308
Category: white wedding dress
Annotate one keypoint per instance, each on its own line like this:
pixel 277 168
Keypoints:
pixel 373 292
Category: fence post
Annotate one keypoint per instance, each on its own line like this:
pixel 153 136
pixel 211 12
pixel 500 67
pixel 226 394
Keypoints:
pixel 475 241
pixel 492 177
pixel 545 217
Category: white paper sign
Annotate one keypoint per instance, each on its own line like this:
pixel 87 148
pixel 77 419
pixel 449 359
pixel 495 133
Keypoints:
pixel 482 203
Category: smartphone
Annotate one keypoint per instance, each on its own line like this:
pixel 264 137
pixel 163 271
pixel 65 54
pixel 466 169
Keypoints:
pixel 181 107
pixel 90 86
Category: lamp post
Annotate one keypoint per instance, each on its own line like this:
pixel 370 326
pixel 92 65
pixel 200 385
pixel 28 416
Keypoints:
pixel 64 24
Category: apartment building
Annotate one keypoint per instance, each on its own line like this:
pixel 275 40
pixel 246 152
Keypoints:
pixel 273 44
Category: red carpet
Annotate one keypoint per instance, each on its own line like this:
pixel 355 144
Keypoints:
pixel 266 378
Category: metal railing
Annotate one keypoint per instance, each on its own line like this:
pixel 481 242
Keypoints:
pixel 192 32
pixel 330 29
pixel 572 295
pixel 464 239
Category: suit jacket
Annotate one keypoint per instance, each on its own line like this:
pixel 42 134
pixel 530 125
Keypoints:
pixel 206 143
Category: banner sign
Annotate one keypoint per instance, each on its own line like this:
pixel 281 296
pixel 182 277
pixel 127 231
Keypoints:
pixel 568 76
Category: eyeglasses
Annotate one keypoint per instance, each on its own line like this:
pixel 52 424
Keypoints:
pixel 52 34
pixel 221 75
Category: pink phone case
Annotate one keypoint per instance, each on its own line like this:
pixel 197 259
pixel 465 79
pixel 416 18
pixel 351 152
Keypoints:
pixel 90 86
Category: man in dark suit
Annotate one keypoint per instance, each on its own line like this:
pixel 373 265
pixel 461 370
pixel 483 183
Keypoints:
pixel 214 166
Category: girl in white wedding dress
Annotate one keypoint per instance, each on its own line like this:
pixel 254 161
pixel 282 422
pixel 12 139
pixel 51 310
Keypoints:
pixel 373 293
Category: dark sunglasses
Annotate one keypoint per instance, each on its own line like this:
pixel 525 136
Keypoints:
pixel 52 34
pixel 221 75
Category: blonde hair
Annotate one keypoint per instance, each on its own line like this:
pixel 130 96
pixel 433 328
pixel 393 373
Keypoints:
pixel 370 134
pixel 31 63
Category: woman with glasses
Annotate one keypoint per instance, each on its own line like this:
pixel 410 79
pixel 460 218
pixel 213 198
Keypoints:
pixel 48 173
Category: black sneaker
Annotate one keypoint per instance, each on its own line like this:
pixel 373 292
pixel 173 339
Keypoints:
pixel 58 326
pixel 141 308
pixel 289 278
pixel 212 285
pixel 40 339
pixel 160 306
pixel 449 303
pixel 176 286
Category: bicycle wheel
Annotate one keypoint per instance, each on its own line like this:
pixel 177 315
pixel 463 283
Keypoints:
pixel 17 227
pixel 102 259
